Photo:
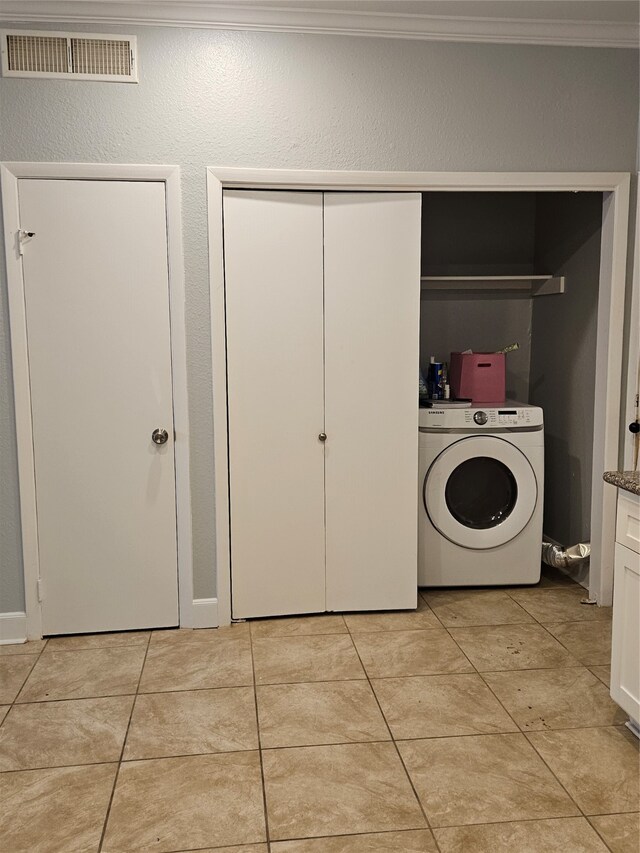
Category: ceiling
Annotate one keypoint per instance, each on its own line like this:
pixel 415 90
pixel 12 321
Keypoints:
pixel 593 23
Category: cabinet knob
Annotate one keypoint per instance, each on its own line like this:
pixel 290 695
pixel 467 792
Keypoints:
pixel 634 427
pixel 322 436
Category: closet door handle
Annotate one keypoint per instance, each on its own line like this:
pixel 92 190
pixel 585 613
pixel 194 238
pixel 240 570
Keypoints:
pixel 322 436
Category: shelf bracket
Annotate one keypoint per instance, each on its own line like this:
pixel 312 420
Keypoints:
pixel 552 285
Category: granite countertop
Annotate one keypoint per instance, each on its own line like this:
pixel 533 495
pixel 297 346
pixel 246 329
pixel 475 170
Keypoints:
pixel 629 480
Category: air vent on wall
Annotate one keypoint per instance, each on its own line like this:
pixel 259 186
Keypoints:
pixel 72 56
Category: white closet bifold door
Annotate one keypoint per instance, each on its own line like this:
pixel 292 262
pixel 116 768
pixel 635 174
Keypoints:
pixel 273 291
pixel 372 310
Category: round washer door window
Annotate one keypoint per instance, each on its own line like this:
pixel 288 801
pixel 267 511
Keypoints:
pixel 480 492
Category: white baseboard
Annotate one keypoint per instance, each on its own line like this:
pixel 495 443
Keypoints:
pixel 205 613
pixel 13 628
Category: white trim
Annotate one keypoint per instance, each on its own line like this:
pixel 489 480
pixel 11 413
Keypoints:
pixel 219 370
pixel 227 15
pixel 310 179
pixel 205 613
pixel 10 173
pixel 608 388
pixel 13 628
pixel 608 367
pixel 630 410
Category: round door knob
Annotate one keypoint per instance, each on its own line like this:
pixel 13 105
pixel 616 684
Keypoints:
pixel 634 427
pixel 322 436
pixel 160 436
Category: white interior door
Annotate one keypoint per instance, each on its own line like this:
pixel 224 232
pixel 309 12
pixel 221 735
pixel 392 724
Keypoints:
pixel 273 292
pixel 372 311
pixel 97 307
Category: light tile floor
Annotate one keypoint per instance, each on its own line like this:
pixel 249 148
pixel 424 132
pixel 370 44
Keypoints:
pixel 479 722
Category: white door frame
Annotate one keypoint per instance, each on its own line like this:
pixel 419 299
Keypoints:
pixel 630 407
pixel 10 174
pixel 615 185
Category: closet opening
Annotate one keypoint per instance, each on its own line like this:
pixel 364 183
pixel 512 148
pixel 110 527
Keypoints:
pixel 534 284
pixel 502 268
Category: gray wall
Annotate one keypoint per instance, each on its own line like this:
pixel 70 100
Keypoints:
pixel 457 321
pixel 300 101
pixel 563 357
pixel 478 234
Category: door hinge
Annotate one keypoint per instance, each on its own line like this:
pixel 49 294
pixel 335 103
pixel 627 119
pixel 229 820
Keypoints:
pixel 24 237
pixel 40 588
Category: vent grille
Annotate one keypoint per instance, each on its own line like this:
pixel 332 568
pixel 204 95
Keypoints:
pixel 43 54
pixel 82 56
pixel 100 56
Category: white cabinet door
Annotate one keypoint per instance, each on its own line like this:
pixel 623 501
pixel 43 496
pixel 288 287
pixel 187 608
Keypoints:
pixel 372 310
pixel 97 307
pixel 625 641
pixel 273 281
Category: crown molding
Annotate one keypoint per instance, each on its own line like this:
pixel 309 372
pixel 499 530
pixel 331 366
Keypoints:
pixel 228 16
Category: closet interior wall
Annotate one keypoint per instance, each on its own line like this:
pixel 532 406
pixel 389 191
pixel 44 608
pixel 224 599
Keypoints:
pixel 563 357
pixel 522 233
pixel 471 233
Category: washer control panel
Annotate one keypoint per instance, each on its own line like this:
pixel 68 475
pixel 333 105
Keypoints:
pixel 509 416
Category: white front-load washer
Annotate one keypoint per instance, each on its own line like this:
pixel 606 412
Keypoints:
pixel 481 485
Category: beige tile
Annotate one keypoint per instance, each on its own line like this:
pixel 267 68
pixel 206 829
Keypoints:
pixel 166 724
pixel 511 647
pixel 279 660
pixel 409 841
pixel 244 848
pixel 564 835
pixel 598 766
pixel 555 698
pixel 603 673
pixel 333 790
pixel 56 810
pixel 588 642
pixel 13 672
pixel 395 620
pixel 464 607
pixel 82 674
pixel 98 641
pixel 483 779
pixel 3 712
pixel 295 626
pixel 319 713
pixel 561 605
pixel 199 801
pixel 235 631
pixel 191 664
pixel 50 734
pixel 399 653
pixel 440 706
pixel 31 647
pixel 620 831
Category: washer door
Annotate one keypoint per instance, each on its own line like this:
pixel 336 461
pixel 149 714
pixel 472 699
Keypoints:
pixel 480 492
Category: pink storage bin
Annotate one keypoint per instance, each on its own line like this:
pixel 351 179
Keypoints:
pixel 478 376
